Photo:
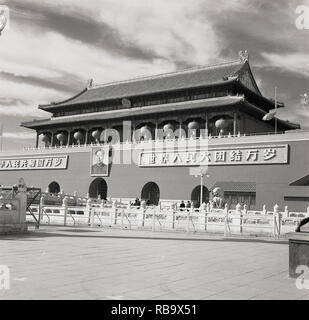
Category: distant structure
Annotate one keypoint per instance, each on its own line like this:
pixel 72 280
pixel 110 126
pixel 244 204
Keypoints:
pixel 213 113
pixel 3 21
pixel 218 198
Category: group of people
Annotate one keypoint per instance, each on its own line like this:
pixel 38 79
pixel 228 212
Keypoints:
pixel 136 203
pixel 184 205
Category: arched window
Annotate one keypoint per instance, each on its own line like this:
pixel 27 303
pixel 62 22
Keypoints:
pixel 98 187
pixel 196 195
pixel 151 193
pixel 54 187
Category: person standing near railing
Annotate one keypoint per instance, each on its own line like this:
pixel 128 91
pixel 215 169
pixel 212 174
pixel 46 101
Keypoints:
pixel 188 205
pixel 182 206
pixel 137 203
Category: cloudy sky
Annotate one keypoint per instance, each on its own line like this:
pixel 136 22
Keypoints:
pixel 53 47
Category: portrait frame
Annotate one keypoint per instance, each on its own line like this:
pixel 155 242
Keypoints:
pixel 99 161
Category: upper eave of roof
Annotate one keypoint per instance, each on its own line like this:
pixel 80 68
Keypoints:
pixel 268 103
pixel 190 78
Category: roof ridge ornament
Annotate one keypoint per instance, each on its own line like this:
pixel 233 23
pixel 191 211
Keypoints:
pixel 89 83
pixel 305 99
pixel 126 102
pixel 243 55
pixel 3 20
pixel 230 78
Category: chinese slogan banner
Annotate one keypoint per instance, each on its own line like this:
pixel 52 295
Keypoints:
pixel 224 156
pixel 52 162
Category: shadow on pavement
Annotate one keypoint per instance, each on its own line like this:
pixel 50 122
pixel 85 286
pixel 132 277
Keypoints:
pixel 87 233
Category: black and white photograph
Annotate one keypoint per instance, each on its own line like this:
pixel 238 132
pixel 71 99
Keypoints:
pixel 99 162
pixel 154 151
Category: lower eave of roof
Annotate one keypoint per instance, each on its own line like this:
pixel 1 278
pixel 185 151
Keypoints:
pixel 304 181
pixel 256 110
pixel 235 186
pixel 131 112
pixel 264 103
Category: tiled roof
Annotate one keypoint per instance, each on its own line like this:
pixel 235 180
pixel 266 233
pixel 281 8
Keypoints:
pixel 304 181
pixel 121 113
pixel 190 78
pixel 232 186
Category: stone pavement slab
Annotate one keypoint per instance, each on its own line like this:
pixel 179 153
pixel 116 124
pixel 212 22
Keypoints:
pixel 89 263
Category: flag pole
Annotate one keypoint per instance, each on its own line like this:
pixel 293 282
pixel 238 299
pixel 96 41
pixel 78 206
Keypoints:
pixel 1 136
pixel 275 110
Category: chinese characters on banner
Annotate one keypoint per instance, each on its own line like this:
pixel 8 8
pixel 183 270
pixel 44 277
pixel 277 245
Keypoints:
pixel 224 156
pixel 39 163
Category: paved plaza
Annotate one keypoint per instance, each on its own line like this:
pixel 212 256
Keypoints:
pixel 85 263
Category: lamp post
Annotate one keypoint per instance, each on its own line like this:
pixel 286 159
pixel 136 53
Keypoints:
pixel 1 136
pixel 276 110
pixel 305 99
pixel 202 184
pixel 201 197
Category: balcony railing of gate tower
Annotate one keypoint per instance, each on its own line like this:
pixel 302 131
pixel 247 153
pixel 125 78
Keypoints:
pixel 128 142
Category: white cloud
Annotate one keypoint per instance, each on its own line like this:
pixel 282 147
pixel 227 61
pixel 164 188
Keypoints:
pixel 294 62
pixel 48 56
pixel 27 98
pixel 172 29
pixel 19 135
pixel 176 30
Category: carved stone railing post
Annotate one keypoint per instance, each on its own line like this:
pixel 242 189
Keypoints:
pixel 141 214
pixel 114 203
pixel 226 221
pixel 264 209
pixel 88 203
pixel 41 207
pixel 75 198
pixel 245 209
pixel 102 204
pixel 88 206
pixel 276 222
pixel 286 211
pixel 237 220
pixel 65 210
pixel 114 212
pixel 211 206
pixel 189 215
pixel 153 220
pixel 22 206
pixel 170 216
pixel 208 207
pixel 202 217
pixel 92 215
